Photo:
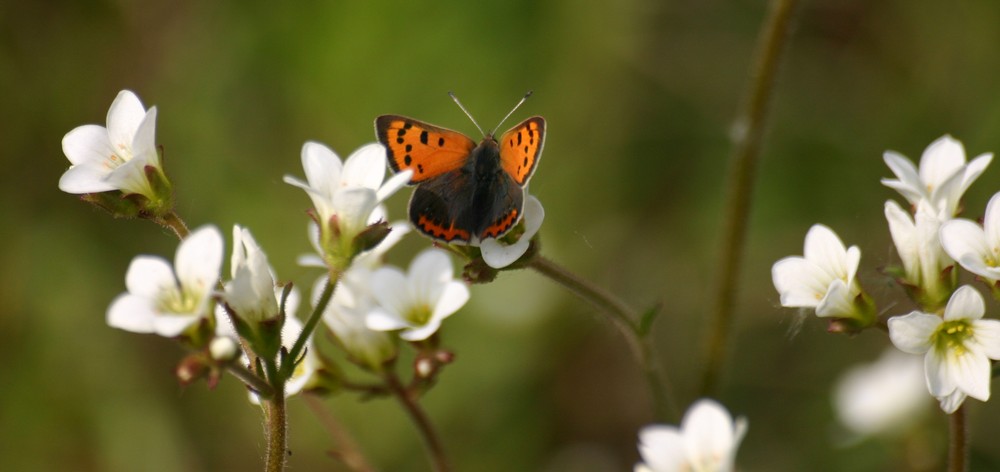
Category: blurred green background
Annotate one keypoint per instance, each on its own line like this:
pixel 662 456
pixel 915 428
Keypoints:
pixel 639 96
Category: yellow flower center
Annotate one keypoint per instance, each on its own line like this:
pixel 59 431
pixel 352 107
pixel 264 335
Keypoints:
pixel 952 335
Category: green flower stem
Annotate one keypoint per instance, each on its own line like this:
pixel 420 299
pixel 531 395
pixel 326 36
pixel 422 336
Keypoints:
pixel 276 424
pixel 174 222
pixel 313 320
pixel 348 452
pixel 625 319
pixel 259 385
pixel 439 460
pixel 958 444
pixel 750 125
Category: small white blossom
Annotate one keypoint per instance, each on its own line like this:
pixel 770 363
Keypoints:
pixel 943 176
pixel 976 248
pixel 706 441
pixel 823 279
pixel 957 347
pixel 251 292
pixel 350 191
pixel 497 254
pixel 916 239
pixel 168 300
pixel 417 301
pixel 882 397
pixel 113 158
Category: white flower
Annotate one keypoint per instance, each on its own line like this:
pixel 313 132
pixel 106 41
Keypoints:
pixel 419 300
pixel 167 301
pixel 943 176
pixel 916 239
pixel 976 248
pixel 706 441
pixel 345 316
pixel 113 158
pixel 823 279
pixel 251 291
pixel 958 347
pixel 881 397
pixel 369 258
pixel 349 191
pixel 499 255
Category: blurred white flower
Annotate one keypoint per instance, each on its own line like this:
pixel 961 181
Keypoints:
pixel 943 176
pixel 350 191
pixel 957 347
pixel 497 254
pixel 168 300
pixel 882 397
pixel 976 248
pixel 251 292
pixel 706 441
pixel 115 157
pixel 924 260
pixel 418 301
pixel 823 279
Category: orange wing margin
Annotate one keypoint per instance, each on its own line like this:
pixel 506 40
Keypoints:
pixel 521 147
pixel 427 149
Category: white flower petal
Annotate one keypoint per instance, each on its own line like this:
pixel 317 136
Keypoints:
pixel 987 336
pixel 971 371
pixel 322 167
pixel 170 325
pixel 124 117
pixel 974 169
pixel 708 428
pixel 453 297
pixel 824 248
pixel 132 313
pixel 352 207
pixel 148 276
pixel 800 282
pixel 912 333
pixel 838 302
pixel 380 320
pixel 940 379
pixel 389 287
pixel 908 183
pixel 662 448
pixel 85 178
pixel 144 142
pixel 428 273
pixel 88 144
pixel 365 167
pixel 991 227
pixel 966 302
pixel 420 333
pixel 950 403
pixel 498 255
pixel 394 183
pixel 199 258
pixel 941 160
pixel 962 238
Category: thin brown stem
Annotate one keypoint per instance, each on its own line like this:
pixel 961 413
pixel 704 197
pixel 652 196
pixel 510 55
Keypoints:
pixel 624 319
pixel 173 221
pixel 748 134
pixel 348 452
pixel 438 458
pixel 958 443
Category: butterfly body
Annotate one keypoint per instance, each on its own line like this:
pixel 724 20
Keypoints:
pixel 464 192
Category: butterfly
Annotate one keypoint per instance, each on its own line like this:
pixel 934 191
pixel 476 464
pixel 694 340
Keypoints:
pixel 464 193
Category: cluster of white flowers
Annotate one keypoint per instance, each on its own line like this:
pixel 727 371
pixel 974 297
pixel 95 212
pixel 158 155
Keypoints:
pixel 371 303
pixel 948 329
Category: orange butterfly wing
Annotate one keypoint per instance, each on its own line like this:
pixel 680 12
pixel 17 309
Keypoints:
pixel 427 149
pixel 521 147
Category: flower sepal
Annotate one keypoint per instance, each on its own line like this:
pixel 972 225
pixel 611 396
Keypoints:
pixel 369 237
pixel 864 316
pixel 931 301
pixel 161 200
pixel 263 336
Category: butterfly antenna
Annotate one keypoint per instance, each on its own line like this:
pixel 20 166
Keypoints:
pixel 453 97
pixel 523 99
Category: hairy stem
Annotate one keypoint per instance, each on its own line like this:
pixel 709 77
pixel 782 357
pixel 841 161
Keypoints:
pixel 174 222
pixel 348 452
pixel 748 133
pixel 439 460
pixel 259 385
pixel 625 319
pixel 958 443
pixel 276 429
